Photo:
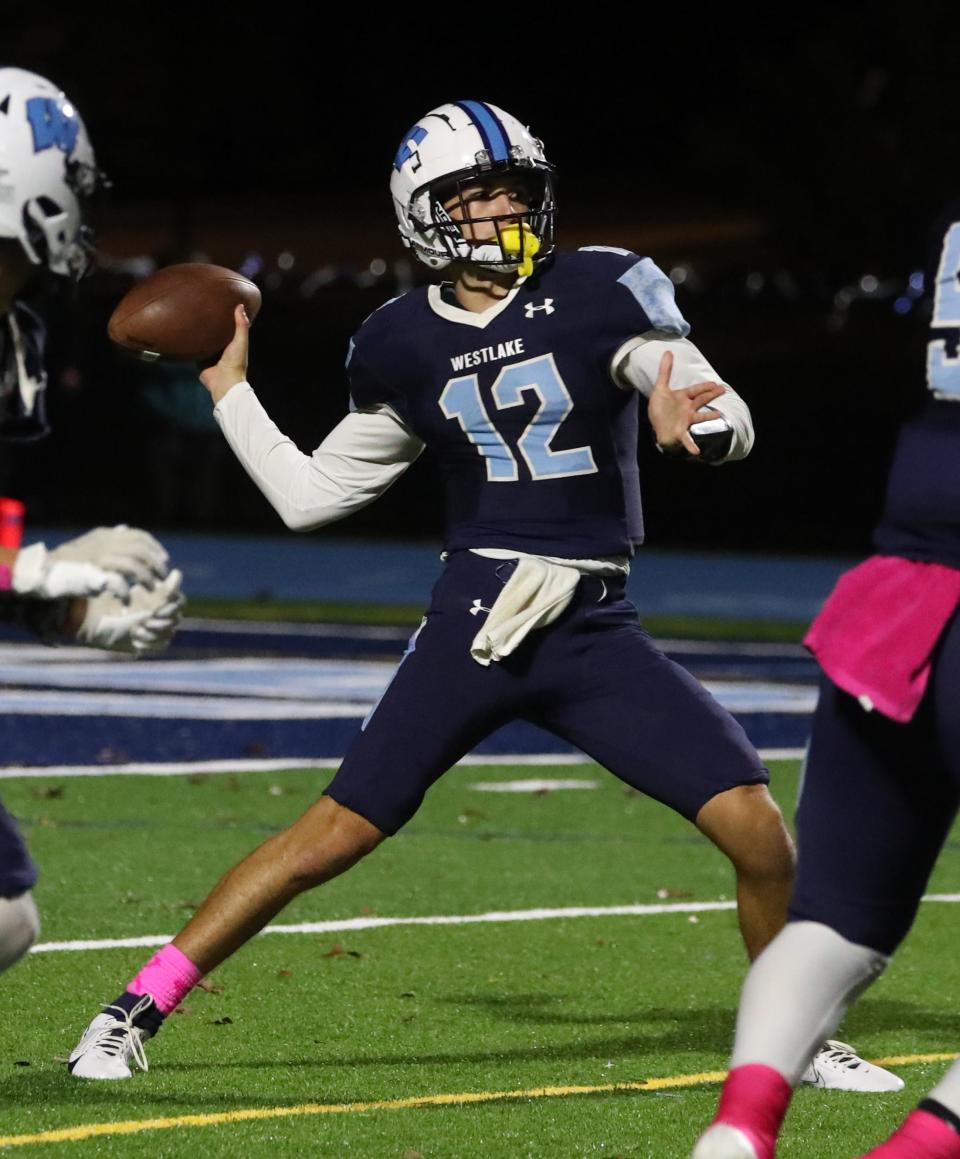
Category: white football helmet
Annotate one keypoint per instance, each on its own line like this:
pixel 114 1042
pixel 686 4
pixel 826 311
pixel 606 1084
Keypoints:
pixel 47 173
pixel 451 147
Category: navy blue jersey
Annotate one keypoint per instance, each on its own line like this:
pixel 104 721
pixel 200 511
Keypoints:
pixel 23 380
pixel 921 518
pixel 537 445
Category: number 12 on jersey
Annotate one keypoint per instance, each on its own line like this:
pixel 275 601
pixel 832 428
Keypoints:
pixel 461 400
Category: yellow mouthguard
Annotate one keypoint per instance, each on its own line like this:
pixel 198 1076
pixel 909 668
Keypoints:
pixel 515 239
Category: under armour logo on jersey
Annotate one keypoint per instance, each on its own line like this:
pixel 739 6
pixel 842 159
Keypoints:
pixel 547 307
pixel 478 608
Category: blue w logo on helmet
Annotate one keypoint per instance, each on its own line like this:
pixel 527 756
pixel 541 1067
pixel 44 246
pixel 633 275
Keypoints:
pixel 52 126
pixel 410 142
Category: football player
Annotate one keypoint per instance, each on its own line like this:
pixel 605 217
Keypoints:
pixel 112 587
pixel 882 779
pixel 524 374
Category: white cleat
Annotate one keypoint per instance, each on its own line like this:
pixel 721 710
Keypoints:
pixel 109 1044
pixel 721 1141
pixel 837 1066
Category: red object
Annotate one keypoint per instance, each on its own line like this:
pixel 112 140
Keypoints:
pixel 875 636
pixel 920 1136
pixel 11 523
pixel 754 1099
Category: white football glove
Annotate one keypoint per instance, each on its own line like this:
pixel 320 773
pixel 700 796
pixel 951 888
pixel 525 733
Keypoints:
pixel 134 553
pixel 39 577
pixel 107 559
pixel 145 624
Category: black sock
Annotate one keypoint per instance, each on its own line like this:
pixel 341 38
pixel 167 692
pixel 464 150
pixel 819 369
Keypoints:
pixel 942 1112
pixel 149 1020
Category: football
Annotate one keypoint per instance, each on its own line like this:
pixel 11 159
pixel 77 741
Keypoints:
pixel 182 313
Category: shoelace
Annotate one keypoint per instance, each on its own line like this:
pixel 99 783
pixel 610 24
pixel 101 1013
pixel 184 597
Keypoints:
pixel 841 1053
pixel 111 1038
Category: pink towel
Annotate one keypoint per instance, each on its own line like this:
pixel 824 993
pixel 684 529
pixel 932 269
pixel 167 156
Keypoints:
pixel 876 633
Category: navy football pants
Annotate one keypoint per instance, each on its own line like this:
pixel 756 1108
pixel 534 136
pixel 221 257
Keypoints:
pixel 17 871
pixel 877 804
pixel 594 677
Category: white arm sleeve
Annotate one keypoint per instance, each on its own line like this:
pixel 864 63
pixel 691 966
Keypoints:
pixel 637 364
pixel 360 458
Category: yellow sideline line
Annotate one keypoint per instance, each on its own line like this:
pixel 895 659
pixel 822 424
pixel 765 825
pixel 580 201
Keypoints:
pixel 134 1126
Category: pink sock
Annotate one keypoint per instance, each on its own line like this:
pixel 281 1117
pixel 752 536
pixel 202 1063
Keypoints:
pixel 169 976
pixel 754 1099
pixel 921 1136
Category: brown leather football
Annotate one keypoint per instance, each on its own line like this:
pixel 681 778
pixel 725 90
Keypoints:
pixel 182 313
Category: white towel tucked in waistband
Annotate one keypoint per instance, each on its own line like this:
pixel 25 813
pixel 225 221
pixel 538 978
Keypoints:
pixel 535 595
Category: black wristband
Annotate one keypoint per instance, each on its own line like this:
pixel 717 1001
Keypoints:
pixel 931 1106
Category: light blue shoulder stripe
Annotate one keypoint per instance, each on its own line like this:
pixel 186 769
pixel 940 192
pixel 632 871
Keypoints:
pixel 653 290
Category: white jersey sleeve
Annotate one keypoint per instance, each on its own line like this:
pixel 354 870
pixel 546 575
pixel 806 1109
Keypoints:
pixel 636 365
pixel 360 458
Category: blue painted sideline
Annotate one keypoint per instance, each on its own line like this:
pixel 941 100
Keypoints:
pixel 321 567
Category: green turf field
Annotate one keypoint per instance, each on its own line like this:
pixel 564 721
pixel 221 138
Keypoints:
pixel 316 1024
pixel 690 627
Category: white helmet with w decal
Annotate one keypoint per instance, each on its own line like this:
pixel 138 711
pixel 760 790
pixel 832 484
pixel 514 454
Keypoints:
pixel 451 147
pixel 47 173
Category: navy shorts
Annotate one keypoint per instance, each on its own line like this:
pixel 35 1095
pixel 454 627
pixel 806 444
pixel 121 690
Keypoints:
pixel 877 803
pixel 594 677
pixel 17 871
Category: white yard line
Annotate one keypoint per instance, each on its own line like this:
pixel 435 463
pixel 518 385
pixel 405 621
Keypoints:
pixel 189 768
pixel 531 785
pixel 496 916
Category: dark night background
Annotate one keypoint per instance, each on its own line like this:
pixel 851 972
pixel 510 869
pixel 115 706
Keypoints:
pixel 784 170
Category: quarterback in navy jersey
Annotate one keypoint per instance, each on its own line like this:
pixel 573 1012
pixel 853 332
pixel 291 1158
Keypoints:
pixel 112 587
pixel 882 777
pixel 523 375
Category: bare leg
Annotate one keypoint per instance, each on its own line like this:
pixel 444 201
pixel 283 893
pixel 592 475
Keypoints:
pixel 324 842
pixel 746 824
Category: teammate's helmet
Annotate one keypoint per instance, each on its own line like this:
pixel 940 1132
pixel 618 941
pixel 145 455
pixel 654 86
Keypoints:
pixel 47 173
pixel 451 147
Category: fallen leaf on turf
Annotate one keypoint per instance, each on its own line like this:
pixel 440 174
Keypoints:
pixel 53 793
pixel 284 973
pixel 21 1062
pixel 226 1021
pixel 408 994
pixel 209 987
pixel 334 952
